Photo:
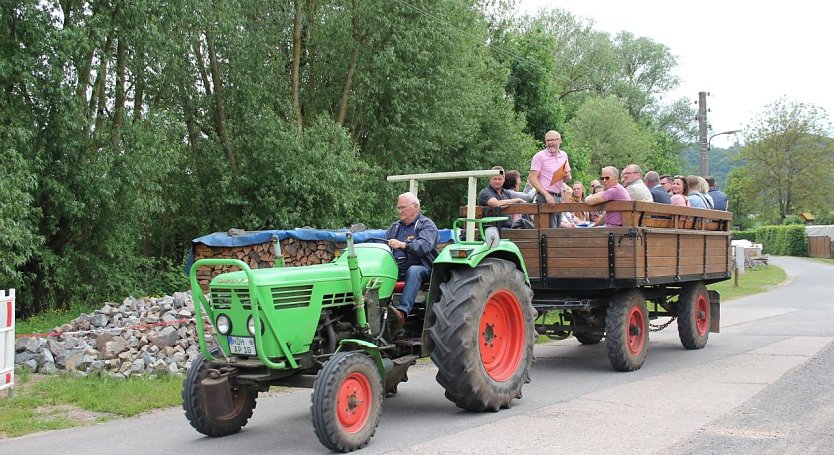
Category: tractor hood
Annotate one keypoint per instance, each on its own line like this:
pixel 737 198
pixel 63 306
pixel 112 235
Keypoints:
pixel 373 260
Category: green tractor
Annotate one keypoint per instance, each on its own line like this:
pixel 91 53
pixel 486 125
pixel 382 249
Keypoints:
pixel 327 327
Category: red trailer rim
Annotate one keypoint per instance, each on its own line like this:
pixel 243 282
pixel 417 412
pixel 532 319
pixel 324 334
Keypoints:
pixel 353 402
pixel 501 338
pixel 701 315
pixel 636 330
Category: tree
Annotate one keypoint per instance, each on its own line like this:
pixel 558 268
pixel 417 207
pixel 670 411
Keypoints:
pixel 531 82
pixel 611 137
pixel 788 158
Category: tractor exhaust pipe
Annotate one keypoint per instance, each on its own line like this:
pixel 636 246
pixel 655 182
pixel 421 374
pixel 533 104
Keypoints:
pixel 356 285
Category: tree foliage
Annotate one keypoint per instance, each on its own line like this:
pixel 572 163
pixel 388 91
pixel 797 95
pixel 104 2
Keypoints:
pixel 788 159
pixel 611 137
pixel 130 128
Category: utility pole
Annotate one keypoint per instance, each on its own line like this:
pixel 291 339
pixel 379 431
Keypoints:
pixel 702 133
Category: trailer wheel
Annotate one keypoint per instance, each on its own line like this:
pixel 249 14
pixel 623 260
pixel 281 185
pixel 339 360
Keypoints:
pixel 588 338
pixel 484 335
pixel 347 401
pixel 627 330
pixel 193 402
pixel 693 316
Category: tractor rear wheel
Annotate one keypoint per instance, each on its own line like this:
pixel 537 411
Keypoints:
pixel 347 401
pixel 484 335
pixel 693 316
pixel 627 330
pixel 193 402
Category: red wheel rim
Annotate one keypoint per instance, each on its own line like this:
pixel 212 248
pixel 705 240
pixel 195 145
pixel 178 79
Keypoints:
pixel 636 330
pixel 501 338
pixel 353 402
pixel 701 315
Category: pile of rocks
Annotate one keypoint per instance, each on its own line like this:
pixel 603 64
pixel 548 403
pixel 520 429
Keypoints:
pixel 139 337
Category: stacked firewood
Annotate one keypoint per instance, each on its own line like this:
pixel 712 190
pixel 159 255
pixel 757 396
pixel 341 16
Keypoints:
pixel 296 253
pixel 309 252
pixel 262 255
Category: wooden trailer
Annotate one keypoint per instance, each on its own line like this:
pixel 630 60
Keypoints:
pixel 612 281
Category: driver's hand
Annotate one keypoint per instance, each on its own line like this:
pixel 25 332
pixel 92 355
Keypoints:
pixel 396 244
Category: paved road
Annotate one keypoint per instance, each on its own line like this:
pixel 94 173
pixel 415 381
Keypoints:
pixel 765 384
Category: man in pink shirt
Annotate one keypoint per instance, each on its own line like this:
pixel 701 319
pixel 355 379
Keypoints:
pixel 613 192
pixel 545 164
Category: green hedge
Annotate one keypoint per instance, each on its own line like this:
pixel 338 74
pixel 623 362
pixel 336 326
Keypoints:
pixel 783 240
pixel 745 235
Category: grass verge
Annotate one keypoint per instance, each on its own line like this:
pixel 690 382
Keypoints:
pixel 753 281
pixel 41 403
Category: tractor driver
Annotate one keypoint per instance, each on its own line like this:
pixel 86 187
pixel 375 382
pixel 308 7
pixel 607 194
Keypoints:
pixel 413 240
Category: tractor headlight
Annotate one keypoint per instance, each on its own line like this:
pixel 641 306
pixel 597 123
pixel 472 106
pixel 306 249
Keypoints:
pixel 223 324
pixel 250 325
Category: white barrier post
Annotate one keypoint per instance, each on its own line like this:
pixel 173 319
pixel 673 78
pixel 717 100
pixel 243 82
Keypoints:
pixel 7 340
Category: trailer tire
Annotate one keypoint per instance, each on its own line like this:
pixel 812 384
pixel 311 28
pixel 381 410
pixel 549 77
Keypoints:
pixel 627 330
pixel 588 338
pixel 243 401
pixel 694 316
pixel 347 401
pixel 484 335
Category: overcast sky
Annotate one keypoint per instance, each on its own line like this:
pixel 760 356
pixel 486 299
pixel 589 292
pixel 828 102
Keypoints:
pixel 746 54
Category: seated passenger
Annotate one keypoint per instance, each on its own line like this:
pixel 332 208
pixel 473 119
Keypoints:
pixel 568 220
pixel 494 195
pixel 699 198
pixel 633 180
pixel 613 192
pixel 680 191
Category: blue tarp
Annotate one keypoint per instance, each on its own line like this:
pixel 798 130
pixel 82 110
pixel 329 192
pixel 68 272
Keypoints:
pixel 223 239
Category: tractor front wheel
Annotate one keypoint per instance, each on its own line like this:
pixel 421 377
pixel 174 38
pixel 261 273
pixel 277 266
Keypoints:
pixel 347 401
pixel 484 335
pixel 693 316
pixel 627 330
pixel 194 404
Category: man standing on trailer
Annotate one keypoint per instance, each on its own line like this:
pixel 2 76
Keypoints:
pixel 413 240
pixel 549 170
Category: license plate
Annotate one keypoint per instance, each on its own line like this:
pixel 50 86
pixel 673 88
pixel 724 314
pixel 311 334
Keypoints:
pixel 242 345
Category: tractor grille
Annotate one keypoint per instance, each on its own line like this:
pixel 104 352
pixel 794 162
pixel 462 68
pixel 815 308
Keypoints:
pixel 336 299
pixel 292 297
pixel 221 299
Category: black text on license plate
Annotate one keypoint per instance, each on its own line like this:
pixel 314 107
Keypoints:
pixel 242 345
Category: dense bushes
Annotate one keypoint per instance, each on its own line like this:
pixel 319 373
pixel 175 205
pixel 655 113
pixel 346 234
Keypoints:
pixel 745 235
pixel 783 240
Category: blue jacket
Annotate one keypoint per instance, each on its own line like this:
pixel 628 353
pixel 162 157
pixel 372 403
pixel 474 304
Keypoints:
pixel 424 243
pixel 660 195
pixel 719 199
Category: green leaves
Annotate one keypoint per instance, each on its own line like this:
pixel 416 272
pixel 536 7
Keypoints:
pixel 786 146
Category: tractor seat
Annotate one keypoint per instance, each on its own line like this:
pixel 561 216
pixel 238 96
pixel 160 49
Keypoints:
pixel 398 288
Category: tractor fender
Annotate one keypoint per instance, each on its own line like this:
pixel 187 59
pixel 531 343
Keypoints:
pixel 372 350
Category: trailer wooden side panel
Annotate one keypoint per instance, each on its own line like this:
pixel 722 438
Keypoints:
pixel 658 244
